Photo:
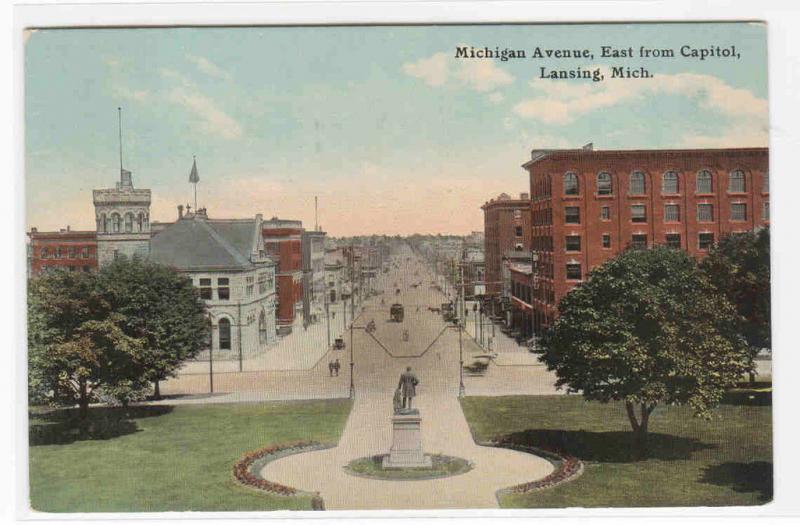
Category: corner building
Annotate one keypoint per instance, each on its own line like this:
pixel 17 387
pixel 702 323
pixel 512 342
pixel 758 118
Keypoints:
pixel 587 206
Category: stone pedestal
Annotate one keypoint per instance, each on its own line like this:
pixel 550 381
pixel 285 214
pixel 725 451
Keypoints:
pixel 406 451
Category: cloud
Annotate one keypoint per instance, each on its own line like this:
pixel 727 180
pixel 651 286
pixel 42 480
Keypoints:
pixel 208 67
pixel 496 97
pixel 478 75
pixel 137 95
pixel 561 102
pixel 213 120
pixel 432 70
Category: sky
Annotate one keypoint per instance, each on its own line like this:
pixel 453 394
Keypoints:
pixel 392 132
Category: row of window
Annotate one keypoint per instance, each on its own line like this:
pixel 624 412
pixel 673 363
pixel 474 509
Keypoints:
pixel 672 213
pixel 114 222
pixel 224 291
pixel 64 253
pixel 85 269
pixel 572 243
pixel 670 183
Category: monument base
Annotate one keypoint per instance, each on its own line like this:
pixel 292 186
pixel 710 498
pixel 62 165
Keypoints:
pixel 406 451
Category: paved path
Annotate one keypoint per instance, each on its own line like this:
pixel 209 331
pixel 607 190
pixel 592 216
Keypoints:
pixel 433 353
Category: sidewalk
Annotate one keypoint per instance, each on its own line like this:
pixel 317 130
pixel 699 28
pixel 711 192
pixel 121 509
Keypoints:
pixel 509 352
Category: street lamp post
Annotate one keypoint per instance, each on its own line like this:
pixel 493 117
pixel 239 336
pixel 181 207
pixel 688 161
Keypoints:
pixel 534 286
pixel 475 315
pixel 480 311
pixel 328 318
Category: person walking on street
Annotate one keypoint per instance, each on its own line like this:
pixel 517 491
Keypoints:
pixel 336 367
pixel 330 368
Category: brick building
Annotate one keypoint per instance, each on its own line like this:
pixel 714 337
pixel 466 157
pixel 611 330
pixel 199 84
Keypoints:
pixel 589 205
pixel 283 243
pixel 506 227
pixel 73 250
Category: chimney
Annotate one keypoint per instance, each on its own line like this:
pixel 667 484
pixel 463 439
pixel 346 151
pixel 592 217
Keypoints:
pixel 34 230
pixel 67 227
pixel 523 196
pixel 180 211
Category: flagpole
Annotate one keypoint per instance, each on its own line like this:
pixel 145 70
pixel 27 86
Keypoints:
pixel 194 161
pixel 119 111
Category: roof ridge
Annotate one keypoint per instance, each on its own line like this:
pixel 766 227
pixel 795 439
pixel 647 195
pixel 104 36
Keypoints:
pixel 225 244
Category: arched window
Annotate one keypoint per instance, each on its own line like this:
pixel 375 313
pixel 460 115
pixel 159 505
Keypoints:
pixel 570 183
pixel 736 182
pixel 102 223
pixel 669 183
pixel 128 222
pixel 224 334
pixel 604 183
pixel 637 183
pixel 116 222
pixel 262 328
pixel 140 221
pixel 146 221
pixel 704 184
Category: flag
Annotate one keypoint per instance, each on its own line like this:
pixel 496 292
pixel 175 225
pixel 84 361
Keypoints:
pixel 193 176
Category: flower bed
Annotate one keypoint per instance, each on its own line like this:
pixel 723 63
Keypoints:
pixel 567 467
pixel 247 470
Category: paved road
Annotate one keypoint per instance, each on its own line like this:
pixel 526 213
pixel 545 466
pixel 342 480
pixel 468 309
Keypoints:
pixel 433 352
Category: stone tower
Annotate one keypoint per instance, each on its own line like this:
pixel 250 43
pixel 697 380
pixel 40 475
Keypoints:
pixel 123 220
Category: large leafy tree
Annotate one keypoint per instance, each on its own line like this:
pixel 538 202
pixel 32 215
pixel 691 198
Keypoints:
pixel 738 266
pixel 160 306
pixel 75 343
pixel 647 329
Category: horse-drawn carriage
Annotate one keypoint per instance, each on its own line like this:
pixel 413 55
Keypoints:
pixel 338 343
pixel 480 364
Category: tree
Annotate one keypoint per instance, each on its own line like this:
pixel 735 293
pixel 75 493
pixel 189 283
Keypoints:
pixel 738 266
pixel 160 306
pixel 75 344
pixel 647 328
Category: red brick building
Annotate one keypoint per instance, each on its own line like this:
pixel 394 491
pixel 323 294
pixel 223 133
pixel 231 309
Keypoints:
pixel 507 227
pixel 587 206
pixel 73 250
pixel 283 242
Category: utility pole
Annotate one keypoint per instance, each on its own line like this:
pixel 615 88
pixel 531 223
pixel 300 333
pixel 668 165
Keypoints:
pixel 460 359
pixel 327 317
pixel 352 322
pixel 211 366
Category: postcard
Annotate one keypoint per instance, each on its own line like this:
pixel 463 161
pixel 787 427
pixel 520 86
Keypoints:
pixel 360 267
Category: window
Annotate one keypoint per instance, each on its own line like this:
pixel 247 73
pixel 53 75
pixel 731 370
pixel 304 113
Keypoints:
pixel 765 211
pixel 128 222
pixel 573 243
pixel 704 182
pixel 736 182
pixel 705 212
pixel 250 281
pixel 85 252
pixel 517 214
pixel 223 289
pixel 606 240
pixel 205 289
pixel 672 213
pixel 262 283
pixel 44 253
pixel 518 231
pixel 604 183
pixel 738 211
pixel 58 252
pixel 705 240
pixel 639 242
pixel 116 223
pixel 570 183
pixel 673 240
pixel 262 328
pixel 637 184
pixel 72 252
pixel 605 213
pixel 103 223
pixel 518 247
pixel 669 183
pixel 224 334
pixel 572 215
pixel 116 254
pixel 574 271
pixel 140 222
pixel 638 213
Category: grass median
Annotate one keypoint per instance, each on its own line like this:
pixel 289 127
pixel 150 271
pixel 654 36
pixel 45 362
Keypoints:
pixel 167 458
pixel 691 461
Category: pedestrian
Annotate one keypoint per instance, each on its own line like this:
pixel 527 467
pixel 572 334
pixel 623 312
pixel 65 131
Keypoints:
pixel 336 366
pixel 330 368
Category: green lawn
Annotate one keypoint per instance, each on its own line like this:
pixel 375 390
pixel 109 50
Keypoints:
pixel 167 458
pixel 692 462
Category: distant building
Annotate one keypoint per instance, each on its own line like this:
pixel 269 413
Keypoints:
pixel 588 206
pixel 122 215
pixel 507 227
pixel 227 262
pixel 313 249
pixel 66 249
pixel 335 276
pixel 283 243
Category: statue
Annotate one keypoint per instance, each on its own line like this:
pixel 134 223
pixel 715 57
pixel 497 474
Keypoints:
pixel 407 387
